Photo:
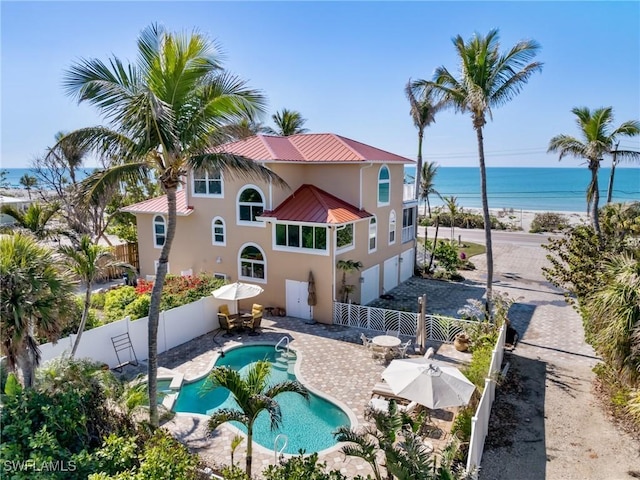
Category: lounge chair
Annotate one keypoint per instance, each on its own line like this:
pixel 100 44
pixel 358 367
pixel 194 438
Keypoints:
pixel 256 319
pixel 228 321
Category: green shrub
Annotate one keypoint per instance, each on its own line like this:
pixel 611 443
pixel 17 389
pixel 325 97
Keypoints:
pixel 461 427
pixel 97 300
pixel 478 369
pixel 139 307
pixel 12 386
pixel 446 255
pixel 302 468
pixel 116 301
pixel 165 457
pixel 548 222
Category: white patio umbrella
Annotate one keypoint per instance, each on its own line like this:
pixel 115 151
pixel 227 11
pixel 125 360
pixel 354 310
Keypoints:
pixel 237 291
pixel 428 383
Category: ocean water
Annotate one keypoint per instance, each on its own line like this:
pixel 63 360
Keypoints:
pixel 13 175
pixel 545 189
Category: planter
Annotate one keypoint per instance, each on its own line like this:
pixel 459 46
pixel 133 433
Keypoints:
pixel 461 342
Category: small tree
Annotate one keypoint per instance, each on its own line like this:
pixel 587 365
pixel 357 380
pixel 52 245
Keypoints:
pixel 347 266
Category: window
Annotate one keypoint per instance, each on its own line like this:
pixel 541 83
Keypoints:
pixel 373 233
pixel 408 229
pixel 252 263
pixel 156 263
pixel 159 231
pixel 392 227
pixel 301 236
pixel 250 205
pixel 344 236
pixel 207 182
pixel 384 184
pixel 217 232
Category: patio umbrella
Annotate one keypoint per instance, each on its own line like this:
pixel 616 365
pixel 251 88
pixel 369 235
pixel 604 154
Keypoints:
pixel 428 383
pixel 311 290
pixel 237 291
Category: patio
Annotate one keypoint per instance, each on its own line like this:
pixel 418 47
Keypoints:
pixel 332 360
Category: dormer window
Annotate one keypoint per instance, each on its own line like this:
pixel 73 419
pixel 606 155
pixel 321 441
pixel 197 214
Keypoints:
pixel 207 182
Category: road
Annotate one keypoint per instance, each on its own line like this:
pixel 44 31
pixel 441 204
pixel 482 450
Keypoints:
pixel 497 236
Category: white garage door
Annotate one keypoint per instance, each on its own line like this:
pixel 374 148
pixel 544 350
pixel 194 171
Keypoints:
pixel 406 266
pixel 390 280
pixel 370 288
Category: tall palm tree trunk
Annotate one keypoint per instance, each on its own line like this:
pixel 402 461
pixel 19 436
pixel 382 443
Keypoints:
pixel 595 199
pixel 154 307
pixel 614 162
pixel 249 449
pixel 416 195
pixel 485 215
pixel 26 363
pixel 83 321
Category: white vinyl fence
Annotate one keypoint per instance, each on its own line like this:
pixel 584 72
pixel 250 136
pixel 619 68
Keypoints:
pixel 176 326
pixel 438 328
pixel 480 421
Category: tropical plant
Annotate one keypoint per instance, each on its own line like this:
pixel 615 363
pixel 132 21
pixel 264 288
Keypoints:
pixel 617 157
pixel 166 113
pixel 288 122
pixel 598 138
pixel 303 467
pixel 28 182
pixel 37 295
pixel 427 184
pixel 548 222
pixel 35 219
pixel 245 128
pixel 488 79
pixel 451 203
pixel 347 266
pixel 254 395
pixel 70 153
pixel 88 262
pixel 423 109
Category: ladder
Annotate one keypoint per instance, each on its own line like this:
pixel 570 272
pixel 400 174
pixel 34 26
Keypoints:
pixel 121 343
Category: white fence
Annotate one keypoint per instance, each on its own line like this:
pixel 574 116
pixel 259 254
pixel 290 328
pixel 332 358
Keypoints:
pixel 480 421
pixel 438 328
pixel 176 326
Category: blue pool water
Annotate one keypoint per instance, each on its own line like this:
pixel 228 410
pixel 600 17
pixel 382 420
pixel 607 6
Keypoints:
pixel 309 425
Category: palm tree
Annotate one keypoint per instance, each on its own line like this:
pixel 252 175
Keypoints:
pixel 88 262
pixel 427 184
pixel 69 153
pixel 165 112
pixel 37 295
pixel 487 79
pixel 618 156
pixel 35 219
pixel 347 266
pixel 28 182
pixel 598 138
pixel 245 128
pixel 452 206
pixel 423 113
pixel 253 395
pixel 288 122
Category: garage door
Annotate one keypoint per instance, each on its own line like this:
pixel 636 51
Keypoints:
pixel 390 280
pixel 406 266
pixel 370 288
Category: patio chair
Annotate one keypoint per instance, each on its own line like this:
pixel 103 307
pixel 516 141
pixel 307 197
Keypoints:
pixel 228 321
pixel 366 341
pixel 256 318
pixel 401 351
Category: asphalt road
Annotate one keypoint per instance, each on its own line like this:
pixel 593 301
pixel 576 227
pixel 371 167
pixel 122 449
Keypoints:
pixel 497 236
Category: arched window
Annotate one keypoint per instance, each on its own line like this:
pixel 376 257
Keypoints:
pixel 384 185
pixel 373 234
pixel 207 182
pixel 252 263
pixel 159 231
pixel 250 205
pixel 218 231
pixel 392 227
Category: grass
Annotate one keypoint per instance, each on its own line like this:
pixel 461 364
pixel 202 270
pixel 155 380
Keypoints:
pixel 470 249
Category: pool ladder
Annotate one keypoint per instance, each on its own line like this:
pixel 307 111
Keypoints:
pixel 283 349
pixel 277 452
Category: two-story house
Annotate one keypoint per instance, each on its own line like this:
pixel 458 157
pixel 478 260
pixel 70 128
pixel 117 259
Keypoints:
pixel 347 201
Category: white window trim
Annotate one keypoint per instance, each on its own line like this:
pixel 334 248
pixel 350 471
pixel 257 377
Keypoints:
pixel 153 228
pixel 349 247
pixel 310 251
pixel 221 276
pixel 207 195
pixel 388 182
pixel 251 279
pixel 264 207
pixel 393 227
pixel 155 267
pixel 375 236
pixel 213 232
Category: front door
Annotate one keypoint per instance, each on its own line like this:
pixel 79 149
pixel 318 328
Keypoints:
pixel 297 294
pixel 370 288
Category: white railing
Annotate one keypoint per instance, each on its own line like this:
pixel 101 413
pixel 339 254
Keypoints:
pixel 277 452
pixel 408 192
pixel 176 326
pixel 438 328
pixel 480 421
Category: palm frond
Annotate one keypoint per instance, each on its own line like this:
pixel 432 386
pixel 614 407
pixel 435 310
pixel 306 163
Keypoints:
pixel 224 415
pixel 236 167
pixel 97 183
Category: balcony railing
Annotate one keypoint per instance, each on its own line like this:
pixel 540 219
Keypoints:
pixel 408 192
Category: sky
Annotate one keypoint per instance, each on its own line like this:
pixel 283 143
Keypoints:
pixel 342 65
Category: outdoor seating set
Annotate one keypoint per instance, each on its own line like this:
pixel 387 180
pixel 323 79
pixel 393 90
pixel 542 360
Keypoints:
pixel 386 347
pixel 240 322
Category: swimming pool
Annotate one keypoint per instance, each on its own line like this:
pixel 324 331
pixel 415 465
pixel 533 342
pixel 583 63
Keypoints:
pixel 308 425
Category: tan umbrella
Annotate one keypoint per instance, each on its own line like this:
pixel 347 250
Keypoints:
pixel 311 290
pixel 237 291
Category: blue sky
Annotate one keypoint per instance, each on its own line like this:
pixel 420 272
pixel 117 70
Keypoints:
pixel 343 65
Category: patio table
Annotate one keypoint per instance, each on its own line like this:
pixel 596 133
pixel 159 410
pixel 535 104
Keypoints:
pixel 387 341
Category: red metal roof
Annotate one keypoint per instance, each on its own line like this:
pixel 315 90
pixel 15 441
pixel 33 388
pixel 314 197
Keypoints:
pixel 313 205
pixel 159 205
pixel 309 147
